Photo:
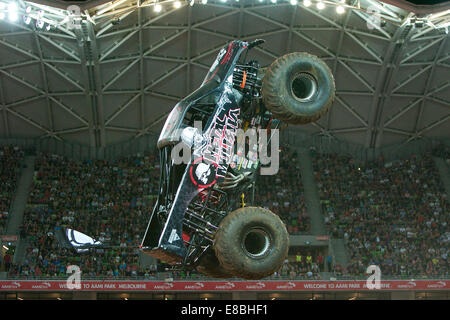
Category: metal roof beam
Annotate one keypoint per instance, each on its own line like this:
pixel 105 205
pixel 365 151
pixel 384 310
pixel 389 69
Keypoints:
pixel 357 76
pixel 417 36
pixel 120 58
pixel 434 124
pixel 414 103
pixel 366 17
pixel 338 52
pixel 315 43
pixel 3 108
pixel 358 60
pixel 365 47
pixel 61 47
pixel 428 84
pixel 440 36
pixel 64 75
pixel 419 50
pixel 164 76
pixel 96 75
pixel 291 26
pixel 26 100
pixel 44 81
pixel 147 128
pixel 122 129
pixel 17 64
pixel 122 108
pixel 188 52
pixel 366 34
pixel 411 78
pixel 141 69
pixel 398 131
pixel 348 130
pixel 120 73
pixel 42 92
pixel 202 66
pixel 163 95
pixel 350 109
pixel 227 37
pixel 20 50
pixel 402 111
pixel 134 31
pixel 166 59
pixel 89 92
pixel 427 128
pixel 39 59
pixel 72 130
pixel 354 93
pixel 383 87
pixel 35 124
pixel 146 88
pixel 439 101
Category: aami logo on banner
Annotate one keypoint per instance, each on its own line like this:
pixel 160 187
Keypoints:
pixel 9 238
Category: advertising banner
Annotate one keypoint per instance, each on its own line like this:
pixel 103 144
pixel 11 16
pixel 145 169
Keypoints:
pixel 330 286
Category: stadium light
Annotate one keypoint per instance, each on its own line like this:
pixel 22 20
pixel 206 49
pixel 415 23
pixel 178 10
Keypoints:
pixel 39 24
pixel 204 1
pixel 293 2
pixel 320 5
pixel 177 4
pixel 340 9
pixel 307 3
pixel 27 19
pixel 157 8
pixel 13 11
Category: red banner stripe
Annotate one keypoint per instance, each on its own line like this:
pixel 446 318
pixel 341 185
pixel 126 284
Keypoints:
pixel 108 285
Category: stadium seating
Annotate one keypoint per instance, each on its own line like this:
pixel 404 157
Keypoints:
pixel 283 193
pixel 10 164
pixel 109 200
pixel 392 214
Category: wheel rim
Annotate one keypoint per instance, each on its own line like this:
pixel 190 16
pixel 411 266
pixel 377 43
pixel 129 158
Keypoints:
pixel 256 243
pixel 303 87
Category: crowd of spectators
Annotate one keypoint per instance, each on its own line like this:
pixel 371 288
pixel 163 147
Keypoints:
pixel 110 201
pixel 304 265
pixel 283 193
pixel 10 165
pixel 391 214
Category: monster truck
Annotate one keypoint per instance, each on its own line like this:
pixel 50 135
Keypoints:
pixel 200 219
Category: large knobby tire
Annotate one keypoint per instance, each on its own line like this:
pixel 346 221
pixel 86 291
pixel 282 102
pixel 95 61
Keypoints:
pixel 298 88
pixel 251 243
pixel 210 266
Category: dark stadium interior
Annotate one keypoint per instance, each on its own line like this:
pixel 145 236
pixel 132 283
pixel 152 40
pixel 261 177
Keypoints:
pixel 367 184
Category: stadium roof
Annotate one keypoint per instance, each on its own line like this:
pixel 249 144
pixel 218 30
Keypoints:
pixel 117 77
